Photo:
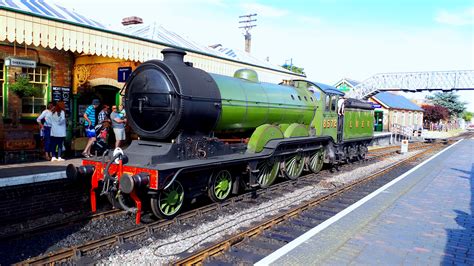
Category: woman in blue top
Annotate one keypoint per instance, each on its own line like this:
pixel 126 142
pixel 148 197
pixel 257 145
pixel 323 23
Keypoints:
pixel 58 131
pixel 46 127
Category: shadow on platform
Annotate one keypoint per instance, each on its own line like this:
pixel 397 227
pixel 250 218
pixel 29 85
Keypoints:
pixel 459 243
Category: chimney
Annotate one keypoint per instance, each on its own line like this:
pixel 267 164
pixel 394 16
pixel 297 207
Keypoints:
pixel 132 21
pixel 173 55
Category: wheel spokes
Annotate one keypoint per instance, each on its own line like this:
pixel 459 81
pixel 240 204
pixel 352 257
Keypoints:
pixel 268 171
pixel 222 184
pixel 294 166
pixel 171 200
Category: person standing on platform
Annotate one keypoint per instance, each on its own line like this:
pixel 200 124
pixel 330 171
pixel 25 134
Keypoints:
pixel 118 125
pixel 46 128
pixel 89 116
pixel 58 131
pixel 103 115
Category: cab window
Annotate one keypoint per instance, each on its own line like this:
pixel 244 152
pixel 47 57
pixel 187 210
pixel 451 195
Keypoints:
pixel 328 103
pixel 333 103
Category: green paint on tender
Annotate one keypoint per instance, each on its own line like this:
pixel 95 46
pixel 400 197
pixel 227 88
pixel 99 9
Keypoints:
pixel 261 136
pixel 358 123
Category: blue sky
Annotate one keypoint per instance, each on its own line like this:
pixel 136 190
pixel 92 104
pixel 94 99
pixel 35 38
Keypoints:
pixel 331 39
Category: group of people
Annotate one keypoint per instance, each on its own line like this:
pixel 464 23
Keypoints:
pixel 52 122
pixel 98 130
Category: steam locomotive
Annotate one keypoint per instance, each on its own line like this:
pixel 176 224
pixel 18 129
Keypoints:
pixel 202 133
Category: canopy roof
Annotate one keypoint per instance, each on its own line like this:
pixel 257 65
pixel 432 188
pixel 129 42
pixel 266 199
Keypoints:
pixel 52 10
pixel 52 26
pixel 395 101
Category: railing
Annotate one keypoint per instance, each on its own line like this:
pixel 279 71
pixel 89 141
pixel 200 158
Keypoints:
pixel 414 82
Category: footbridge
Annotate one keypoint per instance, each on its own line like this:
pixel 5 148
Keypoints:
pixel 414 82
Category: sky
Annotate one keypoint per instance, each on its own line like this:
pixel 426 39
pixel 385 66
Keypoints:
pixel 330 39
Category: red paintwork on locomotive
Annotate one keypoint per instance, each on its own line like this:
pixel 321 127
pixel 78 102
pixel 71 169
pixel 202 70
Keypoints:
pixel 118 170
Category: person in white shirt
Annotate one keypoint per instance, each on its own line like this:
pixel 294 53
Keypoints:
pixel 340 105
pixel 58 131
pixel 46 128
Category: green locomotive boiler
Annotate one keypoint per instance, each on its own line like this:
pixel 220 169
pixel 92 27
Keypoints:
pixel 203 133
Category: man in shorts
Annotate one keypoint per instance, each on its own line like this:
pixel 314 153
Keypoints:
pixel 89 124
pixel 118 125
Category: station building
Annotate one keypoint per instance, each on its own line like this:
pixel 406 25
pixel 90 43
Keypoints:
pixel 67 56
pixel 392 111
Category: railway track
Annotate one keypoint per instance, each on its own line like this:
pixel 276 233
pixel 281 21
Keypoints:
pixel 260 240
pixel 59 224
pixel 69 254
pixel 372 155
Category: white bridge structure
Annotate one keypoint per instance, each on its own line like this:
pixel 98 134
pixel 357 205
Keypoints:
pixel 414 82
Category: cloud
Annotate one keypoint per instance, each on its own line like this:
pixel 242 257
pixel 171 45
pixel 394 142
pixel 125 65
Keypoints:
pixel 310 20
pixel 456 18
pixel 263 10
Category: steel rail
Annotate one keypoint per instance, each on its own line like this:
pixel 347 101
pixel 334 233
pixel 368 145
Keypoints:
pixel 224 245
pixel 148 229
pixel 69 221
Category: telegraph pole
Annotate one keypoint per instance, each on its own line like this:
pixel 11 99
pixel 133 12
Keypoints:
pixel 247 20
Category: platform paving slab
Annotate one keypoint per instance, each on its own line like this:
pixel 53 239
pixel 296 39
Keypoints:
pixel 25 173
pixel 424 218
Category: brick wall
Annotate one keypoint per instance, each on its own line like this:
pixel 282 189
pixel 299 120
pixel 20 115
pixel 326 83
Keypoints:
pixel 109 70
pixel 30 201
pixel 60 62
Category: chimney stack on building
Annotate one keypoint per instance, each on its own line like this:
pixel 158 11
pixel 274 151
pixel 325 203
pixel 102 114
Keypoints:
pixel 132 21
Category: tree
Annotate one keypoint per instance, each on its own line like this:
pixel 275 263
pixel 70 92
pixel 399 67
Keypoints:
pixel 449 100
pixel 435 113
pixel 467 116
pixel 294 69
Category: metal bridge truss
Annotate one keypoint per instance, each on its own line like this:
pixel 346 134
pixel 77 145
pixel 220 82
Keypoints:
pixel 414 82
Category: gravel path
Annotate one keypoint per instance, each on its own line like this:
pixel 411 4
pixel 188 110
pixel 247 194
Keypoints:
pixel 167 250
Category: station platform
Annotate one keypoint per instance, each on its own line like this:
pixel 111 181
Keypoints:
pixel 423 217
pixel 382 139
pixel 25 173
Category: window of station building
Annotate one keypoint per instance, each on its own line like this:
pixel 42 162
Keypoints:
pixel 328 103
pixel 39 79
pixel 333 103
pixel 2 72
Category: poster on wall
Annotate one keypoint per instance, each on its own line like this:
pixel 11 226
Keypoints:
pixel 81 109
pixel 64 94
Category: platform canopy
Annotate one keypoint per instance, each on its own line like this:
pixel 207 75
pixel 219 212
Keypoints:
pixel 39 23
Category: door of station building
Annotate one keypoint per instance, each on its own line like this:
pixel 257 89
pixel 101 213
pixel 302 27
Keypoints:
pixel 378 121
pixel 106 94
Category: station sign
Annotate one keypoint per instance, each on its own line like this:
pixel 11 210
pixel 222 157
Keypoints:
pixel 375 105
pixel 62 94
pixel 17 62
pixel 123 73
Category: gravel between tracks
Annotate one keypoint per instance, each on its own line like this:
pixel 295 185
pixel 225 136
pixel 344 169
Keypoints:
pixel 165 251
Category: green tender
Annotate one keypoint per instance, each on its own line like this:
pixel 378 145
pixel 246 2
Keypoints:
pixel 358 124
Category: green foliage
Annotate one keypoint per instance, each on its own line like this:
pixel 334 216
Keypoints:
pixel 23 88
pixel 294 69
pixel 467 116
pixel 450 100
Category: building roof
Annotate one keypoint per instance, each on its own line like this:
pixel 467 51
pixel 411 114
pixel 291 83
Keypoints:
pixel 52 10
pixel 350 82
pixel 153 31
pixel 69 35
pixel 328 89
pixel 396 101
